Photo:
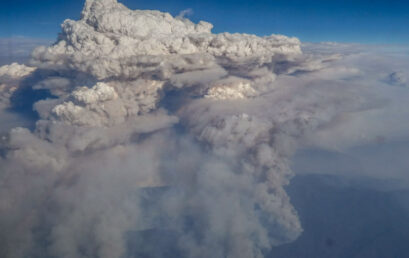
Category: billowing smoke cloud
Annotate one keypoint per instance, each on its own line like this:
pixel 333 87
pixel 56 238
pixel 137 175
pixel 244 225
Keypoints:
pixel 160 139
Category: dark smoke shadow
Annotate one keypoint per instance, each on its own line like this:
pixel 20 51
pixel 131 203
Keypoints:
pixel 153 243
pixel 23 99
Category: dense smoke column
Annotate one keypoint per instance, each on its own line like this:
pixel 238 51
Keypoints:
pixel 157 125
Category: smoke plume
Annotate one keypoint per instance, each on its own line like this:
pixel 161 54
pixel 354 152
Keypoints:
pixel 156 138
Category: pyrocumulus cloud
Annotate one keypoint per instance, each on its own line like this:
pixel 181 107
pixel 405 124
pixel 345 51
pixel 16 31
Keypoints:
pixel 154 126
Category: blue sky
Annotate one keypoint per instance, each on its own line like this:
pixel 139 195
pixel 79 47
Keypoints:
pixel 362 21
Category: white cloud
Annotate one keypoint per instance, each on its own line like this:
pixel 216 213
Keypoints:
pixel 185 13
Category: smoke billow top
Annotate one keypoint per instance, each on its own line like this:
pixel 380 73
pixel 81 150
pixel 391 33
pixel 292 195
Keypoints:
pixel 154 137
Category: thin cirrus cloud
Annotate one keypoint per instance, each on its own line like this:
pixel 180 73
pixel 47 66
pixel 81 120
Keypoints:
pixel 158 136
pixel 19 48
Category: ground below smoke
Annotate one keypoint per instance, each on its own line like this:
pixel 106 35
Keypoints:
pixel 342 219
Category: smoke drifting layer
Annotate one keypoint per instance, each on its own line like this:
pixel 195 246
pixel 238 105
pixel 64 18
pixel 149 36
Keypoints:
pixel 161 139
